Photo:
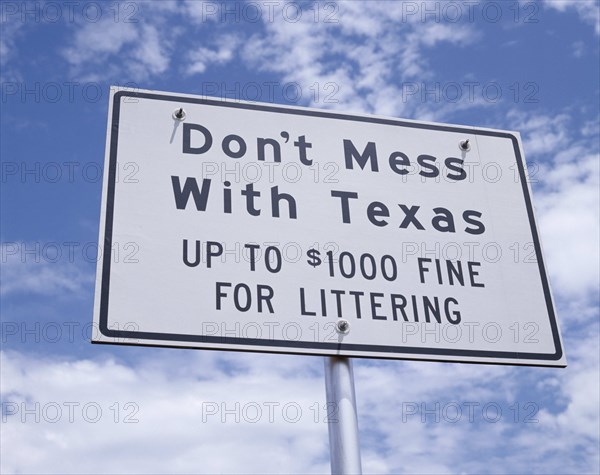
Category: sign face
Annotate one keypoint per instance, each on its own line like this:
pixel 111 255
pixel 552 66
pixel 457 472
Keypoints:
pixel 244 226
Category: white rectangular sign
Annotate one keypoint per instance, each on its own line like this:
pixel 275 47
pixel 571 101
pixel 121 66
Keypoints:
pixel 245 226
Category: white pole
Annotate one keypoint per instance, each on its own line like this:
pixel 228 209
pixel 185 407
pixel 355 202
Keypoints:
pixel 344 446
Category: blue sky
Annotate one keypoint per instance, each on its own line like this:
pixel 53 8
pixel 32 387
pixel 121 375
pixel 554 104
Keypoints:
pixel 527 66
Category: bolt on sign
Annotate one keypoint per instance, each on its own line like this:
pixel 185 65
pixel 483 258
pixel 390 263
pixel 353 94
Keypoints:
pixel 246 226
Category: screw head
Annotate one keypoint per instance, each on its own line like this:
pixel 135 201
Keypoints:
pixel 343 326
pixel 179 114
pixel 464 145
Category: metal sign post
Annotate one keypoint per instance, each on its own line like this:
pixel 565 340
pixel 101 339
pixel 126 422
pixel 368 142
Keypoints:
pixel 344 446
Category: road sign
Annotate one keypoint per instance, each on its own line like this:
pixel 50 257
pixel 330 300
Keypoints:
pixel 246 226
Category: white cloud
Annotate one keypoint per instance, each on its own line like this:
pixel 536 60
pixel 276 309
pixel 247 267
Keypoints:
pixel 568 218
pixel 543 134
pixel 549 421
pixel 149 52
pixel 12 28
pixel 107 50
pixel 567 198
pixel 588 10
pixel 201 57
pixel 180 398
pixel 26 269
pixel 368 53
pixel 101 38
pixel 578 49
pixel 354 56
pixel 179 410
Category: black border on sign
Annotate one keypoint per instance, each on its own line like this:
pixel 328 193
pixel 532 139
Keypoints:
pixel 285 346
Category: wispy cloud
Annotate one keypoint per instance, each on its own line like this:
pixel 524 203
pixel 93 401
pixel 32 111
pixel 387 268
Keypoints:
pixel 152 419
pixel 368 52
pixel 107 50
pixel 24 273
pixel 201 57
pixel 565 167
pixel 12 28
pixel 588 10
pixel 405 409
